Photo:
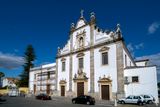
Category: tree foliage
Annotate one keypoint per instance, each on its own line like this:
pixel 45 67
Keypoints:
pixel 1 75
pixel 29 58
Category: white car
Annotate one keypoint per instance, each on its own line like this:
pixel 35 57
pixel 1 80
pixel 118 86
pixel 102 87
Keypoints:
pixel 149 99
pixel 132 100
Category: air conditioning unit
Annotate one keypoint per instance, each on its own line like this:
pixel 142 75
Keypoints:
pixel 127 80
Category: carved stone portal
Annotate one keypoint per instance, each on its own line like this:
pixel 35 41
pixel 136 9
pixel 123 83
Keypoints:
pixel 80 83
pixel 80 75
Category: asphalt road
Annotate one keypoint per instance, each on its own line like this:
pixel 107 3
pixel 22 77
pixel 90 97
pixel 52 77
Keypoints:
pixel 31 102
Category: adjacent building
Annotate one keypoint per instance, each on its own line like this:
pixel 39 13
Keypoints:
pixel 42 79
pixel 9 82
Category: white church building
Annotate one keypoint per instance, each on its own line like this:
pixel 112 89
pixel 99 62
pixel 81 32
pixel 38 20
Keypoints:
pixel 97 62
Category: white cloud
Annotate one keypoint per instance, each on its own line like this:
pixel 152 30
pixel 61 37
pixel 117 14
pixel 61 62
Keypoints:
pixel 153 27
pixel 153 60
pixel 139 46
pixel 10 61
pixel 132 47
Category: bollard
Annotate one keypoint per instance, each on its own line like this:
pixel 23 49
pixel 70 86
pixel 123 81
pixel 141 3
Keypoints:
pixel 115 103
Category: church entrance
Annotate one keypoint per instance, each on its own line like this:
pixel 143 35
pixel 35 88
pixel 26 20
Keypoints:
pixel 62 90
pixel 80 88
pixel 105 88
pixel 80 83
pixel 62 87
pixel 105 92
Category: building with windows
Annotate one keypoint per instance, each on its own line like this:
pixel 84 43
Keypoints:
pixel 9 82
pixel 42 79
pixel 97 62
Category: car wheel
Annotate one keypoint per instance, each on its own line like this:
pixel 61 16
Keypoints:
pixel 140 103
pixel 74 102
pixel 150 102
pixel 122 102
pixel 88 103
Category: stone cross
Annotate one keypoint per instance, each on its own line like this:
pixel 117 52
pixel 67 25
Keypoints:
pixel 82 13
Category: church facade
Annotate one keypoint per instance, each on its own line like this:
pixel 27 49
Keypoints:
pixel 98 63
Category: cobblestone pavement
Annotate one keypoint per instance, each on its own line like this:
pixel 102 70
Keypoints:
pixel 58 102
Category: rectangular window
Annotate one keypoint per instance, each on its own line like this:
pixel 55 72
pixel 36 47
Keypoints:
pixel 63 66
pixel 125 60
pixel 135 79
pixel 48 75
pixel 105 58
pixel 80 62
pixel 34 76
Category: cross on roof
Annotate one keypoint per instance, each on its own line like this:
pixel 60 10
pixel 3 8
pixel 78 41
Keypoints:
pixel 82 13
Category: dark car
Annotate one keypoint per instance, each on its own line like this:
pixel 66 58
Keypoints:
pixel 84 99
pixel 2 100
pixel 43 97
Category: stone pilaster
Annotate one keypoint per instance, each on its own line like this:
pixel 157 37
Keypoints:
pixel 70 62
pixel 92 71
pixel 70 73
pixel 92 24
pixel 120 70
pixel 56 75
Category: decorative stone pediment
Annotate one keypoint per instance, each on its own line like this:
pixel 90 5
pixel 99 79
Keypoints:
pixel 104 48
pixel 80 75
pixel 80 54
pixel 63 59
pixel 104 79
pixel 62 82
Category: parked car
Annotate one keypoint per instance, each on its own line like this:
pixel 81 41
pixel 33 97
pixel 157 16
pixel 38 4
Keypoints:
pixel 132 100
pixel 149 99
pixel 84 99
pixel 2 100
pixel 43 97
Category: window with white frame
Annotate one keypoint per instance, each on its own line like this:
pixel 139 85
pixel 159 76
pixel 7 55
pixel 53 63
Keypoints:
pixel 135 79
pixel 104 58
pixel 80 63
pixel 63 66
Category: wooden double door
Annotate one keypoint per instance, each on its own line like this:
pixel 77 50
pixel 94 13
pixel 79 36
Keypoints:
pixel 62 90
pixel 105 92
pixel 80 88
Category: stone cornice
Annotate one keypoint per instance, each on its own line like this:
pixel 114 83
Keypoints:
pixel 91 47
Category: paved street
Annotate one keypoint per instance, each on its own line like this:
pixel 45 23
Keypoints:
pixel 60 102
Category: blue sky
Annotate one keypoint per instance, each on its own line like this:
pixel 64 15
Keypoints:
pixel 46 24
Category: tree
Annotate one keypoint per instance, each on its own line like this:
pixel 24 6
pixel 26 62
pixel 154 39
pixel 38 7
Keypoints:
pixel 1 75
pixel 29 59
